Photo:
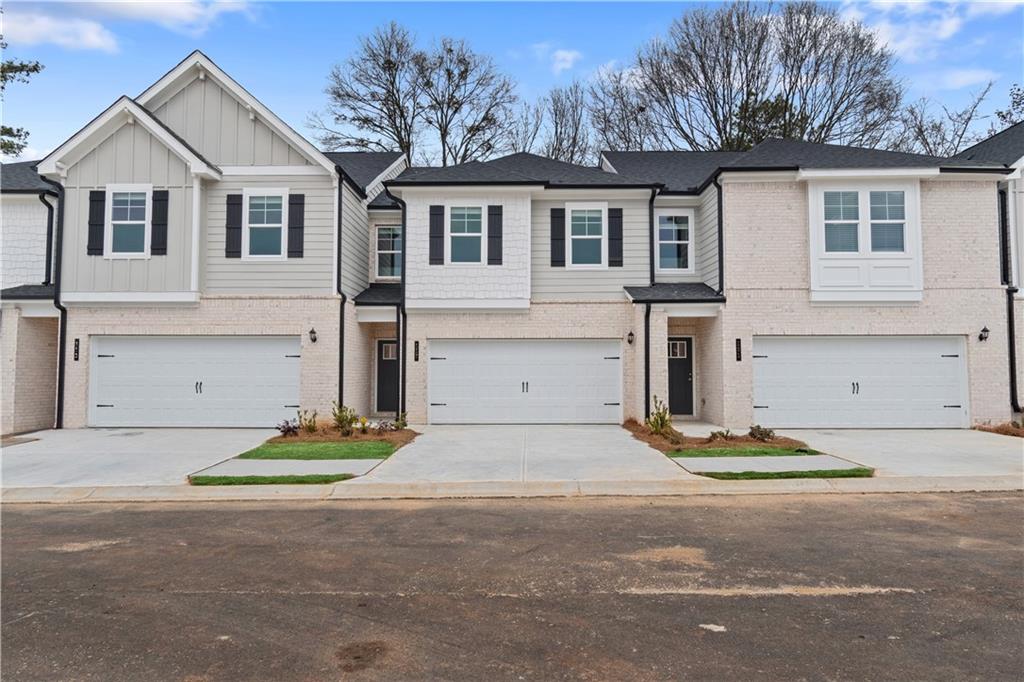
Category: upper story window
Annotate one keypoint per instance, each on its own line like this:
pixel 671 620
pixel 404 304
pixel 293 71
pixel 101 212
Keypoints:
pixel 844 222
pixel 389 251
pixel 465 234
pixel 888 213
pixel 588 247
pixel 128 215
pixel 675 240
pixel 264 234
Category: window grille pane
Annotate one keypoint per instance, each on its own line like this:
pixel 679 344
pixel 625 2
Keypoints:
pixel 887 237
pixel 841 237
pixel 841 206
pixel 887 206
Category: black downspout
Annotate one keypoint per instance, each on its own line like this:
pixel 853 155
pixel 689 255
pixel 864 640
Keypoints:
pixel 62 336
pixel 1006 273
pixel 405 336
pixel 721 241
pixel 49 235
pixel 650 235
pixel 1011 337
pixel 344 299
pixel 647 360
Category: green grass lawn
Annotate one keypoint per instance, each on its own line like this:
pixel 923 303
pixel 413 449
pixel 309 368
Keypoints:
pixel 363 449
pixel 859 472
pixel 743 451
pixel 269 480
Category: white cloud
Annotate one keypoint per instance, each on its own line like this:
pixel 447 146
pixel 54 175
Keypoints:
pixel 192 17
pixel 27 154
pixel 564 60
pixel 955 79
pixel 34 27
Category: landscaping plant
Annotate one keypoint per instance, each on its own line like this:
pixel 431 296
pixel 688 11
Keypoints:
pixel 364 424
pixel 383 426
pixel 344 417
pixel 660 422
pixel 761 433
pixel 721 435
pixel 289 427
pixel 307 421
pixel 401 422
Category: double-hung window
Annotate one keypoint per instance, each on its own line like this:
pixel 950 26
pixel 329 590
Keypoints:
pixel 128 217
pixel 389 251
pixel 842 222
pixel 888 216
pixel 265 233
pixel 675 240
pixel 465 234
pixel 588 245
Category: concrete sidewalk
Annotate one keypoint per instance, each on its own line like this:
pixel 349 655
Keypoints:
pixel 289 467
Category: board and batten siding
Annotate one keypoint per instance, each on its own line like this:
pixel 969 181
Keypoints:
pixel 355 245
pixel 218 126
pixel 313 273
pixel 129 155
pixel 569 284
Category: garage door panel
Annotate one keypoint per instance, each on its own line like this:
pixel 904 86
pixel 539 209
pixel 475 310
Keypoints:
pixel 525 381
pixel 155 381
pixel 884 382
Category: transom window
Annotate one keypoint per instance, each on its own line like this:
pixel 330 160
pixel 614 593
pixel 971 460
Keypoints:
pixel 842 221
pixel 128 220
pixel 586 236
pixel 389 250
pixel 265 226
pixel 888 216
pixel 465 231
pixel 677 349
pixel 675 237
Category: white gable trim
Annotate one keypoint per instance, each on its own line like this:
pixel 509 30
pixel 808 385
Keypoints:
pixel 198 65
pixel 378 180
pixel 121 112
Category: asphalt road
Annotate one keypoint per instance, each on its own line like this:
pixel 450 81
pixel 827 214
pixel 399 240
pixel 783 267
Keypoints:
pixel 852 587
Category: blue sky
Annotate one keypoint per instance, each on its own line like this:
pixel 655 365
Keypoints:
pixel 282 51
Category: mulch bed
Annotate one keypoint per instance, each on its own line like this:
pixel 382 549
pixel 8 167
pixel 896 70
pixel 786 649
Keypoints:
pixel 1007 429
pixel 641 432
pixel 328 434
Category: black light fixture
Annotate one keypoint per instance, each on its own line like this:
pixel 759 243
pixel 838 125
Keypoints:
pixel 983 336
pixel 630 338
pixel 312 335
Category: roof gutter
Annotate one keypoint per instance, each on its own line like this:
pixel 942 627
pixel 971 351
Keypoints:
pixel 62 336
pixel 998 171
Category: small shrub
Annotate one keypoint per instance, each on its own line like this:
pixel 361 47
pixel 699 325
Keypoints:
pixel 307 421
pixel 660 420
pixel 721 435
pixel 384 426
pixel 402 422
pixel 289 427
pixel 364 425
pixel 344 418
pixel 761 433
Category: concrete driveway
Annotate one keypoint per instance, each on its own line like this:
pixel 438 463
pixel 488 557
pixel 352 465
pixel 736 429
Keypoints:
pixel 921 452
pixel 112 457
pixel 525 453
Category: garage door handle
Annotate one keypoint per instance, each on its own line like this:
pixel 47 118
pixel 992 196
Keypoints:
pixel 200 388
pixel 197 388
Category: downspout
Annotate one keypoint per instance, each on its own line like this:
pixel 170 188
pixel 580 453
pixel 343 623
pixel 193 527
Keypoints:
pixel 1006 272
pixel 650 233
pixel 721 241
pixel 402 313
pixel 344 299
pixel 49 235
pixel 62 335
pixel 1011 337
pixel 647 360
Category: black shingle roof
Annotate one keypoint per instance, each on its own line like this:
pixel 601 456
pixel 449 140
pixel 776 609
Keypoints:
pixel 1005 147
pixel 519 169
pixel 679 171
pixel 380 293
pixel 383 202
pixel 363 167
pixel 21 177
pixel 678 292
pixel 796 154
pixel 28 292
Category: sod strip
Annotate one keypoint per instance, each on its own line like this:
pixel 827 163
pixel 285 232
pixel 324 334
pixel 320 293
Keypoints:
pixel 269 480
pixel 859 472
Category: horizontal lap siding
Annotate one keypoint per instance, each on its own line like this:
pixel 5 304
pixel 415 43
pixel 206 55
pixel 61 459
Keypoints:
pixel 129 155
pixel 356 244
pixel 310 274
pixel 564 283
pixel 707 237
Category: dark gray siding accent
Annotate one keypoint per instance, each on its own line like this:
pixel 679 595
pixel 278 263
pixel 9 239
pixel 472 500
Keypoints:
pixel 97 217
pixel 558 237
pixel 296 224
pixel 437 235
pixel 158 226
pixel 615 237
pixel 494 216
pixel 233 227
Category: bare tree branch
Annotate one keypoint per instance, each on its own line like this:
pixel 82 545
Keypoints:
pixel 944 134
pixel 524 126
pixel 619 113
pixel 568 136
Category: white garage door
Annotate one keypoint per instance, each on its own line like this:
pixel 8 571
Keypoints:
pixel 520 381
pixel 193 380
pixel 860 382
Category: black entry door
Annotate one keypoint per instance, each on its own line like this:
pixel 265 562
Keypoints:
pixel 680 376
pixel 387 376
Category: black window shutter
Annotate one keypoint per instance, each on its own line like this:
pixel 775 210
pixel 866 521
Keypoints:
pixel 615 237
pixel 558 237
pixel 296 224
pixel 233 227
pixel 437 235
pixel 97 216
pixel 158 226
pixel 494 214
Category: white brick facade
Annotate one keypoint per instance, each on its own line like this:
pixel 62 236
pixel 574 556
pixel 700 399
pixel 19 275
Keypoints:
pixel 23 245
pixel 29 362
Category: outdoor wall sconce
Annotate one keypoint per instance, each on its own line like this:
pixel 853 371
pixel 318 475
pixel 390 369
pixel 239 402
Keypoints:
pixel 983 336
pixel 312 335
pixel 630 338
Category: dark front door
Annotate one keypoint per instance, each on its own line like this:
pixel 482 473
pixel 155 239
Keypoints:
pixel 680 376
pixel 387 376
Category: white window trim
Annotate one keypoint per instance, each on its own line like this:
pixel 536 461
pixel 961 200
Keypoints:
pixel 911 222
pixel 108 225
pixel 377 252
pixel 691 255
pixel 260 192
pixel 448 233
pixel 586 206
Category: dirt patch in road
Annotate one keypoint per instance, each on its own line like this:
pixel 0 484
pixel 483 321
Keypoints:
pixel 360 655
